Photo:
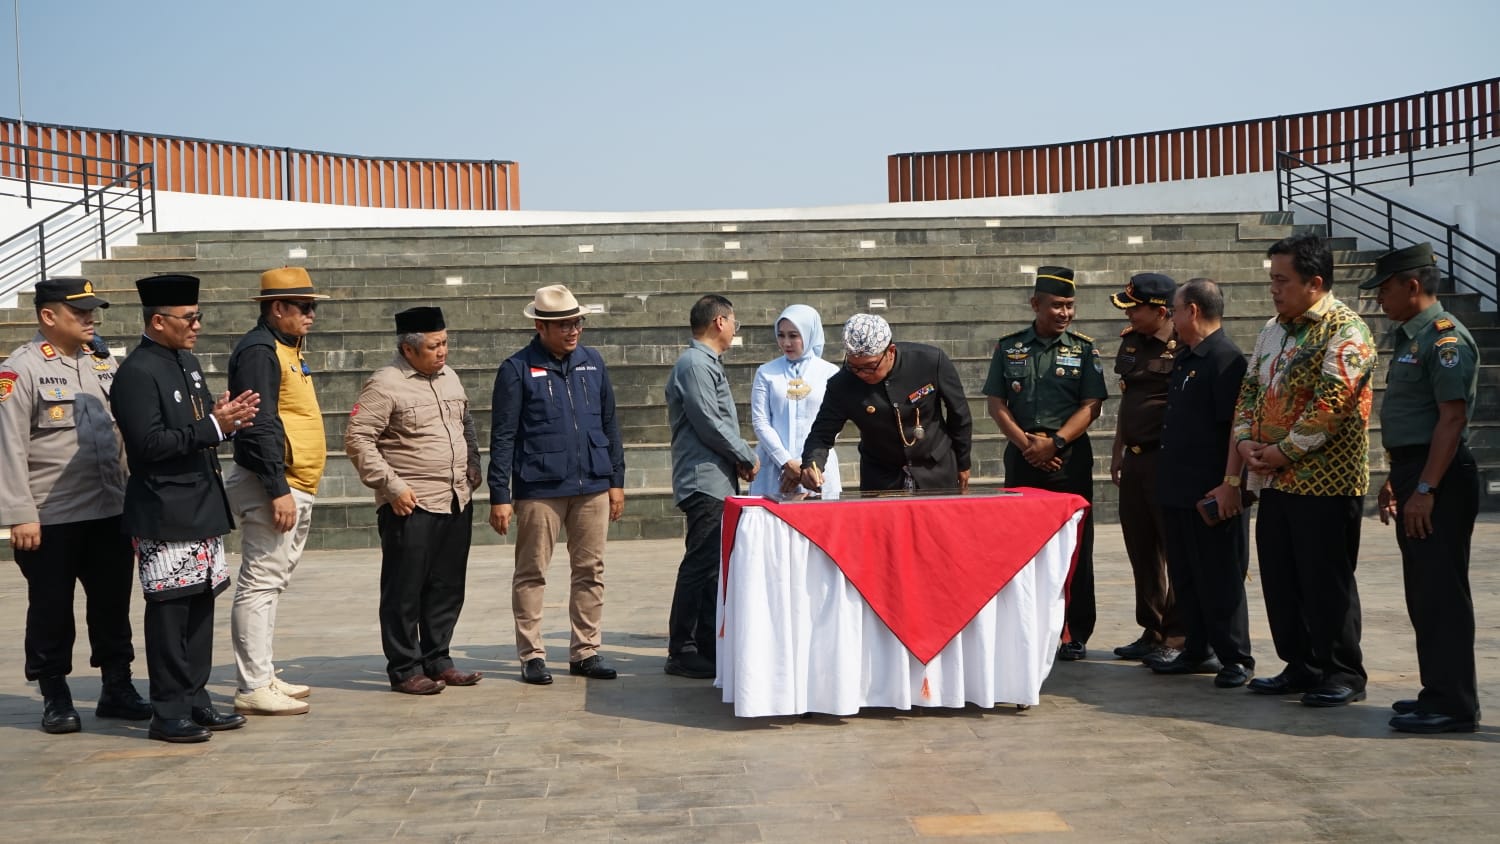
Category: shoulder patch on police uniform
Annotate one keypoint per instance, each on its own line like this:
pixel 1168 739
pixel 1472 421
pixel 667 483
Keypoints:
pixel 1443 324
pixel 1448 356
pixel 7 383
pixel 1084 337
pixel 1445 341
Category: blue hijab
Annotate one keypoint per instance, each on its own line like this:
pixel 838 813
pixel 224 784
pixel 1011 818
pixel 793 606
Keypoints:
pixel 809 325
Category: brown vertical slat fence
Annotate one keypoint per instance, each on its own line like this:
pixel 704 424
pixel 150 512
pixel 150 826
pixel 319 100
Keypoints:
pixel 223 168
pixel 1460 114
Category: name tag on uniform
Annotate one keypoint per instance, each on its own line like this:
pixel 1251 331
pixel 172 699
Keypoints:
pixel 1069 360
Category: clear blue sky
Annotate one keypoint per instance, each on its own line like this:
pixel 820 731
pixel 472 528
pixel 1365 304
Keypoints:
pixel 675 105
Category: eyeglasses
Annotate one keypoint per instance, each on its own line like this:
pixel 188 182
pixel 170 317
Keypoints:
pixel 867 368
pixel 571 326
pixel 195 316
pixel 733 319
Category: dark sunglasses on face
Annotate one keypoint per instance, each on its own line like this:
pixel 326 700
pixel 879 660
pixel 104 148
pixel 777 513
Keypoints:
pixel 305 307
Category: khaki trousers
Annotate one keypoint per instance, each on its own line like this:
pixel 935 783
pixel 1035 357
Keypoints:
pixel 538 521
pixel 267 558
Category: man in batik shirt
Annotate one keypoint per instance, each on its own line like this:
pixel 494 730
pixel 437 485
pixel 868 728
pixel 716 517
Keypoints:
pixel 1300 428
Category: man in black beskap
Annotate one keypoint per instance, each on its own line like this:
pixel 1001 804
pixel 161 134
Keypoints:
pixel 1207 563
pixel 908 403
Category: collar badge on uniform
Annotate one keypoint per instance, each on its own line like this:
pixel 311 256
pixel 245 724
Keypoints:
pixel 47 351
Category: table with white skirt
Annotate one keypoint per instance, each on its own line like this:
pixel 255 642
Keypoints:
pixel 810 594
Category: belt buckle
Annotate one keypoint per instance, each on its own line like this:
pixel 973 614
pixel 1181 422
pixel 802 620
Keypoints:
pixel 1135 449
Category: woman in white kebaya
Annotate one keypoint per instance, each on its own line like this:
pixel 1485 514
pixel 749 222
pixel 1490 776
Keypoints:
pixel 784 400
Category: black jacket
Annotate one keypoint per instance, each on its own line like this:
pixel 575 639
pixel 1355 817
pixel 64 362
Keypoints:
pixel 261 448
pixel 922 381
pixel 162 404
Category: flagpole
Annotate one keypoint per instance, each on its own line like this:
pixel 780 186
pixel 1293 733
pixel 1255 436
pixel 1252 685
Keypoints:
pixel 20 107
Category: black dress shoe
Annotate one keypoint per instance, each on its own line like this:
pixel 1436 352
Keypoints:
pixel 1138 649
pixel 1071 651
pixel 691 665
pixel 59 716
pixel 534 671
pixel 212 719
pixel 177 730
pixel 1332 696
pixel 1404 707
pixel 592 668
pixel 1282 684
pixel 1425 722
pixel 1186 663
pixel 1233 675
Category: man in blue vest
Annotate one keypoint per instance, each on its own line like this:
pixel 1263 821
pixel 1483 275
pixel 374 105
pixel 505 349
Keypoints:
pixel 556 460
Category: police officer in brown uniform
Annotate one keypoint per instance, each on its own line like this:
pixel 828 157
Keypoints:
pixel 62 488
pixel 1144 366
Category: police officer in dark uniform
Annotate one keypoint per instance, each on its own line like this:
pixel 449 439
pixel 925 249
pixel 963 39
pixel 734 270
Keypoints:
pixel 1045 387
pixel 915 429
pixel 1433 488
pixel 1144 366
pixel 175 508
pixel 62 487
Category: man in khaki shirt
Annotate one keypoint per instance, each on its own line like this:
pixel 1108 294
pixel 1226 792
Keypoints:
pixel 62 489
pixel 412 440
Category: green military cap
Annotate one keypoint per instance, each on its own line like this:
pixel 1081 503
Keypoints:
pixel 1057 281
pixel 1399 260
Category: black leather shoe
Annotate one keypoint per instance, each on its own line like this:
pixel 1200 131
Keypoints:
pixel 1424 722
pixel 534 671
pixel 691 665
pixel 119 699
pixel 1139 649
pixel 1404 707
pixel 1282 684
pixel 58 714
pixel 212 719
pixel 177 730
pixel 1332 696
pixel 1233 675
pixel 1187 664
pixel 1071 651
pixel 592 668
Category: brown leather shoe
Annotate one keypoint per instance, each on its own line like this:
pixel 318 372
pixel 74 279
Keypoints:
pixel 454 677
pixel 418 684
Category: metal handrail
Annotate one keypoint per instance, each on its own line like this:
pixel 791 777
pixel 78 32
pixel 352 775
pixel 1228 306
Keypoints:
pixel 66 235
pixel 1339 200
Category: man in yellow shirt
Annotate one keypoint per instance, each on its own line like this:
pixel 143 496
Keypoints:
pixel 271 486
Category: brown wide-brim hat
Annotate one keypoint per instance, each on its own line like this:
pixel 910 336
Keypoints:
pixel 553 302
pixel 286 283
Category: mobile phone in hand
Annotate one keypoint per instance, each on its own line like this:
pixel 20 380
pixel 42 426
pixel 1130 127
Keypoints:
pixel 1208 508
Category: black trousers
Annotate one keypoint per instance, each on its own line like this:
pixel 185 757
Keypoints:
pixel 180 652
pixel 1141 524
pixel 1308 546
pixel 690 627
pixel 95 554
pixel 1436 573
pixel 424 562
pixel 1208 567
pixel 1075 476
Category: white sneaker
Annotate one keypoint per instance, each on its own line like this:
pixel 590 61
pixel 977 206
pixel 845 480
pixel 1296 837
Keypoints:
pixel 266 700
pixel 291 690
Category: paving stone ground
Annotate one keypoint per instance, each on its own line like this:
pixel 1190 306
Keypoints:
pixel 1113 753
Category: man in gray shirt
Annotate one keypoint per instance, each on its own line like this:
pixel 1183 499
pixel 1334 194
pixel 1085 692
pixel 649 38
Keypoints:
pixel 709 459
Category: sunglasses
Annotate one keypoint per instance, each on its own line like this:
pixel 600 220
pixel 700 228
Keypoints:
pixel 305 307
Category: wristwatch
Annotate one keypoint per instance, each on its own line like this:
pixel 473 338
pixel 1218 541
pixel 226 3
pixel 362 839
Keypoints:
pixel 1424 488
pixel 1058 442
pixel 1231 480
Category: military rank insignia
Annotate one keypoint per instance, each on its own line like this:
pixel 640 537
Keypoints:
pixel 47 351
pixel 1443 324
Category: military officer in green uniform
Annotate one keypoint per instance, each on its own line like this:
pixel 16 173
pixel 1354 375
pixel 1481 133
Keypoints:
pixel 1045 387
pixel 1433 488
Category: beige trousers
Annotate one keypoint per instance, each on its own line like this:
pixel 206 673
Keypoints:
pixel 538 522
pixel 267 558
